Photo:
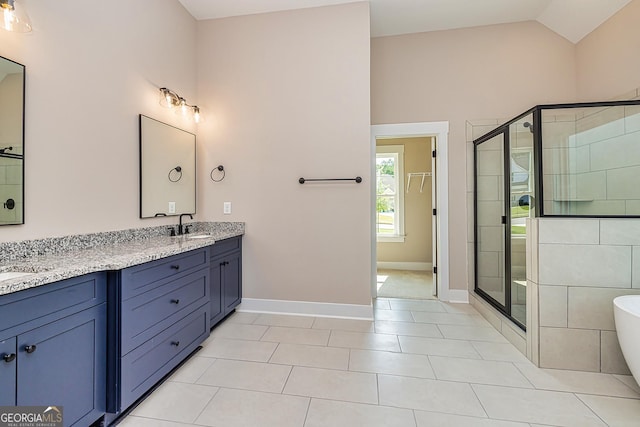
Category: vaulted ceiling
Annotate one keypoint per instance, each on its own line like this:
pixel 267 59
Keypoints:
pixel 572 19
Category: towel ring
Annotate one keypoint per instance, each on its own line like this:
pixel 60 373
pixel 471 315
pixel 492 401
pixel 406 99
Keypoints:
pixel 218 168
pixel 178 170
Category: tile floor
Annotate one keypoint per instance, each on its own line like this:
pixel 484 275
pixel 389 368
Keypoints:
pixel 405 284
pixel 421 363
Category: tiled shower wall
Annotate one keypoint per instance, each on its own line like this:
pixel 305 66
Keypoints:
pixel 579 267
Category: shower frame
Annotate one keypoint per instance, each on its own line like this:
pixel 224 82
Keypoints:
pixel 538 208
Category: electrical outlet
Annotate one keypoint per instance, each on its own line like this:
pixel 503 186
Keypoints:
pixel 227 208
pixel 172 207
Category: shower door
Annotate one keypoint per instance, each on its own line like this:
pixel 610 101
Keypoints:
pixel 490 238
pixel 504 186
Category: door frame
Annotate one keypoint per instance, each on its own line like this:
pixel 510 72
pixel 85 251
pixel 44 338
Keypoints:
pixel 439 130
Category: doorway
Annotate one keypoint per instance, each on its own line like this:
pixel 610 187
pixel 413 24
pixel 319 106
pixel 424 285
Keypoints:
pixel 405 202
pixel 437 132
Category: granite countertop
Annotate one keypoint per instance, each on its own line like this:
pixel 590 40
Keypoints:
pixel 50 260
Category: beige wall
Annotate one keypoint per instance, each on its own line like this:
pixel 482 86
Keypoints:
pixel 284 95
pixel 607 60
pixel 91 68
pixel 457 75
pixel 287 96
pixel 417 246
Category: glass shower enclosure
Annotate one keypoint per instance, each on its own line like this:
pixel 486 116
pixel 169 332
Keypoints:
pixel 561 160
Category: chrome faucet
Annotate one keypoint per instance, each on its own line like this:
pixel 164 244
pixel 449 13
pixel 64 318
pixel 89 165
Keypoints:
pixel 181 229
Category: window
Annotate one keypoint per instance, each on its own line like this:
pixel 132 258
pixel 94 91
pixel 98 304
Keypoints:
pixel 390 193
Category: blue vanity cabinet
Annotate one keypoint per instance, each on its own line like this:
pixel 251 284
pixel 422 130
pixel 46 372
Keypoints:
pixel 8 372
pixel 57 333
pixel 226 277
pixel 161 316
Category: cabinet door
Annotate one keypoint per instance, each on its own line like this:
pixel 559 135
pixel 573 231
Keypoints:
pixel 217 310
pixel 232 281
pixel 8 372
pixel 63 364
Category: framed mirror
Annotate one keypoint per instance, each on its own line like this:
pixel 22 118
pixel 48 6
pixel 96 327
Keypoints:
pixel 167 169
pixel 11 142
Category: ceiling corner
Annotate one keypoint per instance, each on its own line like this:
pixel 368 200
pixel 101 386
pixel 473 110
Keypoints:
pixel 575 19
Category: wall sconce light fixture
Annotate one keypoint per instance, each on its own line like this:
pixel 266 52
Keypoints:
pixel 14 17
pixel 172 100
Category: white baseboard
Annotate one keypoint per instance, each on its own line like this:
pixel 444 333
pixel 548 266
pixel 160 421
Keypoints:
pixel 411 266
pixel 305 308
pixel 459 295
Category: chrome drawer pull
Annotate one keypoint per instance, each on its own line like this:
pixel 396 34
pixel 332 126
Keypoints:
pixel 9 357
pixel 175 301
pixel 175 267
pixel 30 348
pixel 176 343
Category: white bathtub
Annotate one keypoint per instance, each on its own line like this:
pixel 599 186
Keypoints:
pixel 626 311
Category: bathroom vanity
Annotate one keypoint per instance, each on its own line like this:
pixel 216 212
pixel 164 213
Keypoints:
pixel 98 341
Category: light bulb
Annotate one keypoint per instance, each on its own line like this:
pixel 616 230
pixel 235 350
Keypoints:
pixel 172 100
pixel 184 108
pixel 9 17
pixel 168 98
pixel 14 18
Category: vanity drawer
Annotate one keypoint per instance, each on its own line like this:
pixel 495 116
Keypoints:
pixel 40 303
pixel 147 364
pixel 226 245
pixel 138 279
pixel 147 314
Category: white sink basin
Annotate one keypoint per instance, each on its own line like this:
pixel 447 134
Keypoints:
pixel 12 275
pixel 199 236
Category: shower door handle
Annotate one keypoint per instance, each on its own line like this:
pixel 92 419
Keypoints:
pixel 504 219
